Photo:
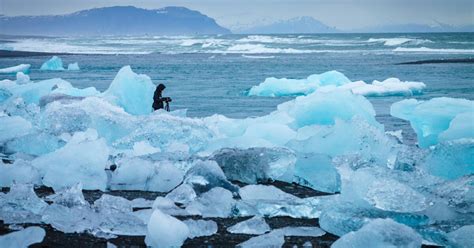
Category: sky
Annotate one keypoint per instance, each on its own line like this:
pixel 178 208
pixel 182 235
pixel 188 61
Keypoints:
pixel 234 14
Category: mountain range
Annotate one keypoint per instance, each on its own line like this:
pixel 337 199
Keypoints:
pixel 119 20
pixel 129 20
pixel 298 25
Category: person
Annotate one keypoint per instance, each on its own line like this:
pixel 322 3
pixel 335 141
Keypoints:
pixel 158 100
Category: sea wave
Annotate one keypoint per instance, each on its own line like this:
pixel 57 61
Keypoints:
pixel 433 50
pixel 399 41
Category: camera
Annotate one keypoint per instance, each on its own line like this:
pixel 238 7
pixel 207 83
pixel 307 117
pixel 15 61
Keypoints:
pixel 166 99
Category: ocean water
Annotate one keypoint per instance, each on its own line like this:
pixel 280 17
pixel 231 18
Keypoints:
pixel 211 74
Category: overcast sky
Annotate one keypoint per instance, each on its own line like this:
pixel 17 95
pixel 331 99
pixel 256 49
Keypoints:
pixel 343 14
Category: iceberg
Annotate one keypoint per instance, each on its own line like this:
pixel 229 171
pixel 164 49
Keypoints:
pixel 335 81
pixel 133 92
pixel 24 68
pixel 23 238
pixel 432 118
pixel 81 160
pixel 165 231
pixel 255 225
pixel 282 87
pixel 73 67
pixel 380 233
pixel 53 64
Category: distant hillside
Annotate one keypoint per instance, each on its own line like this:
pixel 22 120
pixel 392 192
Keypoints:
pixel 415 28
pixel 124 20
pixel 299 25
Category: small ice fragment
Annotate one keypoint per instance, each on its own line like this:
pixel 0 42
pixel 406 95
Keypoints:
pixel 23 238
pixel 199 228
pixel 165 231
pixel 22 78
pixel 73 67
pixel 265 192
pixel 301 231
pixel 272 239
pixel 255 225
pixel 21 205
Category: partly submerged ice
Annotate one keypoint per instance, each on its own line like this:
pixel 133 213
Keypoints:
pixel 334 80
pixel 24 68
pixel 53 64
pixel 73 67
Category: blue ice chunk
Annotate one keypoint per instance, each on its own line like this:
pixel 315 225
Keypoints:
pixel 25 68
pixel 431 118
pixel 133 92
pixel 380 233
pixel 317 171
pixel 73 67
pixel 53 64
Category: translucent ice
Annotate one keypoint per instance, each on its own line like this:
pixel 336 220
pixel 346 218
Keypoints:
pixel 380 233
pixel 81 160
pixel 116 216
pixel 141 174
pixel 12 127
pixel 300 231
pixel 318 172
pixel 272 239
pixel 165 231
pixel 205 175
pixel 21 205
pixel 255 225
pixel 451 159
pixel 20 171
pixel 133 92
pixel 217 202
pixel 462 237
pixel 462 126
pixel 25 68
pixel 32 92
pixel 199 228
pixel 23 238
pixel 256 164
pixel 431 118
pixel 73 67
pixel 53 64
pixel 264 192
pixel 334 81
pixel 182 194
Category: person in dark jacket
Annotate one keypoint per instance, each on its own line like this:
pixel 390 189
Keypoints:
pixel 158 100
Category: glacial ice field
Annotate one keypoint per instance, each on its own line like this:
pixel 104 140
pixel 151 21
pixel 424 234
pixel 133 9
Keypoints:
pixel 386 151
